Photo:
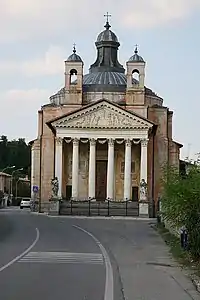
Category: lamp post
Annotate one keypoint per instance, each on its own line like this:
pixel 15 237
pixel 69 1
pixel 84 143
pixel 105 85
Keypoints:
pixel 12 179
pixel 16 188
pixel 12 167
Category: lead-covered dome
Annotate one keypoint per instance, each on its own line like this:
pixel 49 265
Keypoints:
pixel 107 35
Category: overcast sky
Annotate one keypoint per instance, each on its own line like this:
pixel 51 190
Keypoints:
pixel 36 36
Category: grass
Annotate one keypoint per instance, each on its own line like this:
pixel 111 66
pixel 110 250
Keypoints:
pixel 182 257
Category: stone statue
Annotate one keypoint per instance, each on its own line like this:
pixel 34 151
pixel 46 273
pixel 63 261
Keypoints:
pixel 54 187
pixel 143 190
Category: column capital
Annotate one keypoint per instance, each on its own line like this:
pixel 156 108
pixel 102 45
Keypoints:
pixel 59 140
pixel 92 142
pixel 128 142
pixel 76 141
pixel 111 142
pixel 144 142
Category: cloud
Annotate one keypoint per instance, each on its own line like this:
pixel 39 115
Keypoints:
pixel 51 63
pixel 31 19
pixel 150 13
pixel 20 112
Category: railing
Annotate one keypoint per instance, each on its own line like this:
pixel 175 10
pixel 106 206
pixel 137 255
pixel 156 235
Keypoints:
pixel 99 208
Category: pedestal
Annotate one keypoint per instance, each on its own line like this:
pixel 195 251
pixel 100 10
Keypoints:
pixel 54 205
pixel 144 209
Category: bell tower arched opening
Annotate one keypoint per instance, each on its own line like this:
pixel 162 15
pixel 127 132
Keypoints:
pixel 73 76
pixel 136 75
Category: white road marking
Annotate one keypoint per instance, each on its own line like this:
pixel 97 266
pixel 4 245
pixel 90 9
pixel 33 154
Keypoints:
pixel 109 286
pixel 62 257
pixel 23 253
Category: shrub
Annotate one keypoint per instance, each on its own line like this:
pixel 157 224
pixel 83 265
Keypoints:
pixel 181 203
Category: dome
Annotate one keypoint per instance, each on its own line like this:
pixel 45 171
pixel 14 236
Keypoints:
pixel 136 57
pixel 109 82
pixel 107 35
pixel 104 78
pixel 74 57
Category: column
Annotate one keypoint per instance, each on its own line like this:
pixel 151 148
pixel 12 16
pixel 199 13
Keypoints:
pixel 143 205
pixel 127 171
pixel 143 161
pixel 59 164
pixel 110 170
pixel 75 168
pixel 92 169
pixel 32 171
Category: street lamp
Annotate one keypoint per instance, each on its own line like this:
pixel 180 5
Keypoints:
pixel 12 167
pixel 11 190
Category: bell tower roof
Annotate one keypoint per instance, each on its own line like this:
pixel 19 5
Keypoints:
pixel 135 57
pixel 74 57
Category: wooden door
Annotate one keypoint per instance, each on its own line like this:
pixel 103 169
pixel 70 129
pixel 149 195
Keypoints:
pixel 68 192
pixel 101 180
pixel 135 193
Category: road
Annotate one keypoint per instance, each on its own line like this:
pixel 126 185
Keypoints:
pixel 61 258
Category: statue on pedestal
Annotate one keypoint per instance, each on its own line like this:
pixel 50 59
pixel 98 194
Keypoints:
pixel 143 190
pixel 54 187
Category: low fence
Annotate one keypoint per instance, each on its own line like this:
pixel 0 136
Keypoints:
pixel 99 208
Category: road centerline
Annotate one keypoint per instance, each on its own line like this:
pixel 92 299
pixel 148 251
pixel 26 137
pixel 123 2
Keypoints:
pixel 109 285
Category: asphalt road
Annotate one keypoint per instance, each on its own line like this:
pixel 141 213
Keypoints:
pixel 85 259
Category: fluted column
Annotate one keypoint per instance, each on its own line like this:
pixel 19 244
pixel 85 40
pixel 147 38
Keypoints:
pixel 143 205
pixel 143 161
pixel 59 164
pixel 127 171
pixel 75 168
pixel 32 171
pixel 110 170
pixel 92 169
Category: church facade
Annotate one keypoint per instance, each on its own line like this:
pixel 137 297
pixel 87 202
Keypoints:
pixel 105 135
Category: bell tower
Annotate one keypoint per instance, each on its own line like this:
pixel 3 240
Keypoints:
pixel 135 90
pixel 74 78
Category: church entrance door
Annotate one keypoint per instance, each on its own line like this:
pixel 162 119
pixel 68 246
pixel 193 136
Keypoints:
pixel 101 179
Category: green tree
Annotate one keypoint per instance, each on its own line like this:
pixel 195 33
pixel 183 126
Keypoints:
pixel 15 153
pixel 181 203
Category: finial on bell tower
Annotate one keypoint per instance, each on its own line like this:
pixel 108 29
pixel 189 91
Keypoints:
pixel 136 49
pixel 74 48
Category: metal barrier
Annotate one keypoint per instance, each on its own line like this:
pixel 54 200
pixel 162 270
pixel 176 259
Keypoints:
pixel 99 208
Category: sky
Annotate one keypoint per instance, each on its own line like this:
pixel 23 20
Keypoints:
pixel 36 36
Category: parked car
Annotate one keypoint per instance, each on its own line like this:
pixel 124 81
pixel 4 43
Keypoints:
pixel 26 202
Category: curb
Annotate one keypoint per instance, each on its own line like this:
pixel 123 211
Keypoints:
pixel 96 217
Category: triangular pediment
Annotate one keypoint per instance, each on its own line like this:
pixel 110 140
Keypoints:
pixel 103 115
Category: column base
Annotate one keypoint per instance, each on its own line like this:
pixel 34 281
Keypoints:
pixel 54 207
pixel 144 209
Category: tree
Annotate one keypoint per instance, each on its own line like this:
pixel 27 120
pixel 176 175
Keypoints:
pixel 15 153
pixel 181 203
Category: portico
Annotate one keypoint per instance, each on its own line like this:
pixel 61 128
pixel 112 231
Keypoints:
pixel 84 134
pixel 110 184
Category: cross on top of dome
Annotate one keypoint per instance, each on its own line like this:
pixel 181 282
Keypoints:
pixel 107 26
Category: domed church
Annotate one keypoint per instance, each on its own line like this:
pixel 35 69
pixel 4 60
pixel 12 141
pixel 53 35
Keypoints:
pixel 104 135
